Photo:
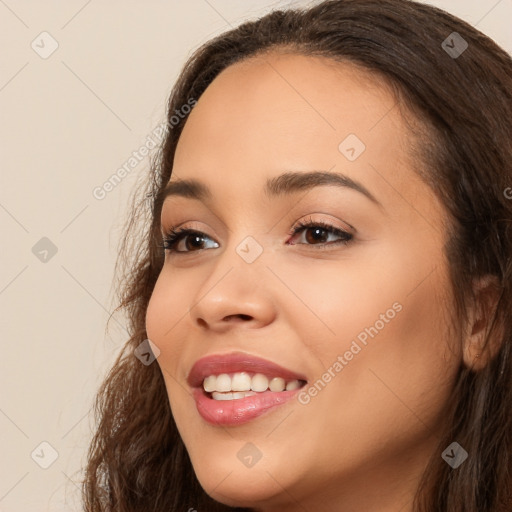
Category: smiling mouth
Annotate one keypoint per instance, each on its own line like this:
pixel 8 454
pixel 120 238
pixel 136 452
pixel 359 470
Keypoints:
pixel 234 388
pixel 238 385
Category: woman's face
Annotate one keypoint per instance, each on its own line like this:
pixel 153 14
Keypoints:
pixel 359 310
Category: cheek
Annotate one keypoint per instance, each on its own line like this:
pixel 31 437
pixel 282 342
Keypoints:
pixel 165 316
pixel 398 367
pixel 391 328
pixel 332 303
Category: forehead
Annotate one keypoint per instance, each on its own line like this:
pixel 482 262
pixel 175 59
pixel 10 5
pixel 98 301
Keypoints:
pixel 282 99
pixel 285 111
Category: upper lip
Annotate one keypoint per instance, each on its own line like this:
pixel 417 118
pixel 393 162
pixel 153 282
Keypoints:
pixel 237 362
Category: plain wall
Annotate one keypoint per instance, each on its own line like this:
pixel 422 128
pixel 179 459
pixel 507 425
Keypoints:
pixel 68 122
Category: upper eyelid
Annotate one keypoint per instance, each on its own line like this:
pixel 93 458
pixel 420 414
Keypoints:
pixel 305 218
pixel 181 232
pixel 302 224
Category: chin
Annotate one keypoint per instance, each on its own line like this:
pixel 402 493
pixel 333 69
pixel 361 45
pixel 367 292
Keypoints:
pixel 237 486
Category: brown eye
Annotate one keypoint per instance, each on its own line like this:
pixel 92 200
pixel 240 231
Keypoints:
pixel 193 241
pixel 318 233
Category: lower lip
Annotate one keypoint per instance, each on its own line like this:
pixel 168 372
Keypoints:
pixel 239 410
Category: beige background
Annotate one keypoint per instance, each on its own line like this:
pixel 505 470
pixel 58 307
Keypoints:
pixel 68 122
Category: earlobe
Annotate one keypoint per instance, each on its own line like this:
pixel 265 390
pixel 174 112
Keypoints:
pixel 483 340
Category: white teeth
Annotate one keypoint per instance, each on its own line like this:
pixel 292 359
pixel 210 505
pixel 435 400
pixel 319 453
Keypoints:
pixel 209 383
pixel 241 382
pixel 231 396
pixel 223 385
pixel 223 382
pixel 277 384
pixel 259 382
pixel 293 384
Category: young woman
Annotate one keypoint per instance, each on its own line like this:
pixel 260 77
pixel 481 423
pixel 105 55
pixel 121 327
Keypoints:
pixel 324 276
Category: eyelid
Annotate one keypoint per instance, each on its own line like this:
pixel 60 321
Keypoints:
pixel 176 234
pixel 331 222
pixel 165 227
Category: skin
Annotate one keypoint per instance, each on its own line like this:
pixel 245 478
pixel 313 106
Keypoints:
pixel 363 441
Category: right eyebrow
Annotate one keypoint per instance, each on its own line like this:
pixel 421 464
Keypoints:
pixel 286 183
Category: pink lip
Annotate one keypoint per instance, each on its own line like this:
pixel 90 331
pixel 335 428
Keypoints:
pixel 242 410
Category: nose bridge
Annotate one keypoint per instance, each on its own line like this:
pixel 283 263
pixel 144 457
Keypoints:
pixel 242 261
pixel 236 284
pixel 246 239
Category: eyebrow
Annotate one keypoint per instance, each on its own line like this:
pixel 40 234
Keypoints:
pixel 286 183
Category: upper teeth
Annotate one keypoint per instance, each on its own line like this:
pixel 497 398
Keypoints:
pixel 242 381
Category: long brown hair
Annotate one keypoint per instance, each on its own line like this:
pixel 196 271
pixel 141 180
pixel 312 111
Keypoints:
pixel 137 461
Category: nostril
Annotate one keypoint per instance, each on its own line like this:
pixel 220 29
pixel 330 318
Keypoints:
pixel 241 316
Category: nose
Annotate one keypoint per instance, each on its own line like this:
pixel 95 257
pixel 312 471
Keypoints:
pixel 236 294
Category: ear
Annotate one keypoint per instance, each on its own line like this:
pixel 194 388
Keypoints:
pixel 476 353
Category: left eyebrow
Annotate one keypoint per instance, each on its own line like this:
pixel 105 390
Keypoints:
pixel 286 183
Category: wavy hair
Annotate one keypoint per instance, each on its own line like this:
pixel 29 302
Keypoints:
pixel 137 461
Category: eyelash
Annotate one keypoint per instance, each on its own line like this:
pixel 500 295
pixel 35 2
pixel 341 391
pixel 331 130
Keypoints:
pixel 173 236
